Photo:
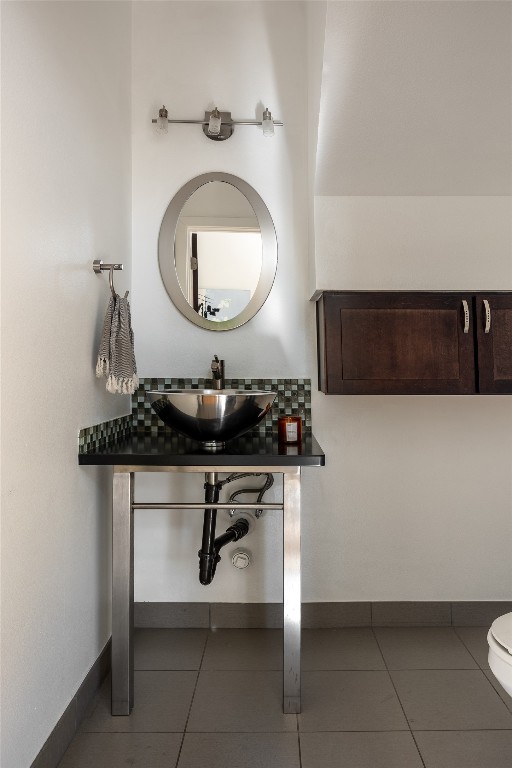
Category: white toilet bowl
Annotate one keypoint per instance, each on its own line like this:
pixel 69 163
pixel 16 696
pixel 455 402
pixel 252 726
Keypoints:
pixel 499 638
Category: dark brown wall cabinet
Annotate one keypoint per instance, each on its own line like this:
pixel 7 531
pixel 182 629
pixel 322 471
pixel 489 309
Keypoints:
pixel 414 343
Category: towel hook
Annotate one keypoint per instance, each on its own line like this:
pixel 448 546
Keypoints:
pixel 98 266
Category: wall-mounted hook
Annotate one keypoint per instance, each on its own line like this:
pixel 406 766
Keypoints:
pixel 98 267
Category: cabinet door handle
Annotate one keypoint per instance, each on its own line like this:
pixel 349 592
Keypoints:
pixel 465 309
pixel 487 309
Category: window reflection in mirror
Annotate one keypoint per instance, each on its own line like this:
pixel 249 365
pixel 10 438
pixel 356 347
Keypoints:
pixel 218 251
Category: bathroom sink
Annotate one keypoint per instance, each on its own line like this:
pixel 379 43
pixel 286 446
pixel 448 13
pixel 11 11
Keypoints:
pixel 211 416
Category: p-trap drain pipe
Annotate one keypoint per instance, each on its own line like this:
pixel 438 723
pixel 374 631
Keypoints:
pixel 211 546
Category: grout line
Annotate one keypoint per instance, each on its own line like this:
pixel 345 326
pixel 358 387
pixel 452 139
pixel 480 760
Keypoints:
pixel 345 730
pixel 290 733
pixel 399 701
pixel 463 730
pixel 468 648
pixel 494 683
pixel 417 747
pixel 298 738
pixel 380 649
pixel 435 669
pixel 192 701
pixel 168 669
pixel 204 650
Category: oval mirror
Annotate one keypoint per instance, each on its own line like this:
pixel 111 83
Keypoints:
pixel 217 251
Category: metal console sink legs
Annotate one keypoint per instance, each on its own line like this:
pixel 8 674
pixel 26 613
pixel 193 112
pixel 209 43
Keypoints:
pixel 122 571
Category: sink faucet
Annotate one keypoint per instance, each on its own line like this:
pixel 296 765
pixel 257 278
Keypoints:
pixel 218 373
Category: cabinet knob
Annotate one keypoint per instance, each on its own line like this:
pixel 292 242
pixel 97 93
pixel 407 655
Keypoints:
pixel 487 310
pixel 465 309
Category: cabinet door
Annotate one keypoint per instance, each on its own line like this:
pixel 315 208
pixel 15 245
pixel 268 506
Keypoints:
pixel 396 343
pixel 494 333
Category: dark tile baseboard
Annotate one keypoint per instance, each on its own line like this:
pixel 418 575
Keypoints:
pixel 172 615
pixel 478 614
pixel 65 730
pixel 412 614
pixel 320 615
pixel 246 616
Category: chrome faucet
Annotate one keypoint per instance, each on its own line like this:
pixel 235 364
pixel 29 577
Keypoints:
pixel 218 373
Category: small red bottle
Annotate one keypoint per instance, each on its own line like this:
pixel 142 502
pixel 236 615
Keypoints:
pixel 289 430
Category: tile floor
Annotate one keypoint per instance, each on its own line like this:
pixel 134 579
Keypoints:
pixel 371 698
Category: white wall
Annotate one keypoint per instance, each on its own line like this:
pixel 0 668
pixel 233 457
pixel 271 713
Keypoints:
pixel 259 60
pixel 407 507
pixel 413 191
pixel 415 98
pixel 65 201
pixel 315 39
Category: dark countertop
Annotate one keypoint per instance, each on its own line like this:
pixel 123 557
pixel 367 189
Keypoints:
pixel 167 448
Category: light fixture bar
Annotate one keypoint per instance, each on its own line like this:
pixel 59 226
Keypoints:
pixel 217 125
pixel 224 122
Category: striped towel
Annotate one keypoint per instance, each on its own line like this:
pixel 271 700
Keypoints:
pixel 116 357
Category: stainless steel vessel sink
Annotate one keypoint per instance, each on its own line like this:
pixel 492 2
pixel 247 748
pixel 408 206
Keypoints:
pixel 211 416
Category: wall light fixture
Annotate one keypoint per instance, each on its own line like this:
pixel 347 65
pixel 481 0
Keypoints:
pixel 217 125
pixel 162 122
pixel 214 123
pixel 268 123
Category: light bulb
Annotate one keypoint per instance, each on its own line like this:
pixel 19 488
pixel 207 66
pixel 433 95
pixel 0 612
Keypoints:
pixel 214 124
pixel 268 123
pixel 162 124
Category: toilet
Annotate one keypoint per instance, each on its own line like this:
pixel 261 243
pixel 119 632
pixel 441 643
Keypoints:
pixel 499 638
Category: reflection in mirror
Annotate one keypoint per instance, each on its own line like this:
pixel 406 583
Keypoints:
pixel 217 251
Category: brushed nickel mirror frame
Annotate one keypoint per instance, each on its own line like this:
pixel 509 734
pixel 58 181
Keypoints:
pixel 166 251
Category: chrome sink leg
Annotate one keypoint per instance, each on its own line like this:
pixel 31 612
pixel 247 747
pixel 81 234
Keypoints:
pixel 291 592
pixel 122 593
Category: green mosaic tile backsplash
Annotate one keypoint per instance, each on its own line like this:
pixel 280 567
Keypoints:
pixel 293 398
pixel 99 435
